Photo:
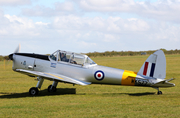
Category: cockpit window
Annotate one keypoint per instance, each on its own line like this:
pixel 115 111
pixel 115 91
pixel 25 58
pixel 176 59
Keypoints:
pixel 54 56
pixel 77 59
pixel 64 56
pixel 73 58
pixel 89 61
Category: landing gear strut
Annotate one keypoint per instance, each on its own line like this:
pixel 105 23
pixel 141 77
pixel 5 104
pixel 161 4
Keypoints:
pixel 159 92
pixel 34 90
pixel 52 88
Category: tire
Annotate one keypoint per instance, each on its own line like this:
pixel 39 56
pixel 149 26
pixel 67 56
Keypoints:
pixel 51 90
pixel 159 92
pixel 33 91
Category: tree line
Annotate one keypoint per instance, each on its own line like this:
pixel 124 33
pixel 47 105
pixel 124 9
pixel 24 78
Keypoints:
pixel 129 53
pixel 117 53
pixel 3 58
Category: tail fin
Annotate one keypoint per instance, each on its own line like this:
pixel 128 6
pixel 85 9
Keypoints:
pixel 154 66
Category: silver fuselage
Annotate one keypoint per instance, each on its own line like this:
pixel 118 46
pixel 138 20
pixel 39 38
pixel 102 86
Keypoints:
pixel 85 72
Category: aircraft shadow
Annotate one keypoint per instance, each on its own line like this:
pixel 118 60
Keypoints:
pixel 60 91
pixel 142 94
pixel 64 91
pixel 112 94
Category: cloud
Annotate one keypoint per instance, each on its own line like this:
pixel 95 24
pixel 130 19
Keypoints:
pixel 19 26
pixel 110 25
pixel 90 29
pixel 105 5
pixel 87 34
pixel 129 33
pixel 64 8
pixel 166 10
pixel 14 2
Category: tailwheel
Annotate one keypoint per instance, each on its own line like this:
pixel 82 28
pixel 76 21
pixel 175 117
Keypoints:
pixel 51 88
pixel 33 91
pixel 159 92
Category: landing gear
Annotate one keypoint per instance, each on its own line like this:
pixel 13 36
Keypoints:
pixel 159 92
pixel 33 91
pixel 52 88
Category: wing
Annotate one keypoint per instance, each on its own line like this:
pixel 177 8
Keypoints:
pixel 52 76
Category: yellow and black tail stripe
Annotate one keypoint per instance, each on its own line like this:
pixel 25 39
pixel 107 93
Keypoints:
pixel 128 78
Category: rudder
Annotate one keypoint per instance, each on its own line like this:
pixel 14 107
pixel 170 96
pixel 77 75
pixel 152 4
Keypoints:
pixel 154 66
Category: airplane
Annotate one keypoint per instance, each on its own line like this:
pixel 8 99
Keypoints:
pixel 74 68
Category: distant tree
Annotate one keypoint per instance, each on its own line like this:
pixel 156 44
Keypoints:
pixel 1 58
pixel 130 53
pixel 6 57
pixel 164 50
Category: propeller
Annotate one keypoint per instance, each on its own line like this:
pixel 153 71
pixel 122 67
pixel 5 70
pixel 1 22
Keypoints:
pixel 7 60
pixel 16 51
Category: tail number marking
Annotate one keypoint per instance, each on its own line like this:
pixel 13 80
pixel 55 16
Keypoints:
pixel 141 82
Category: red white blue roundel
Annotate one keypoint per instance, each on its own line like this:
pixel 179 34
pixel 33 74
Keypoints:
pixel 99 75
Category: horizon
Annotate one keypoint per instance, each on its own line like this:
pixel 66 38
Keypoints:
pixel 99 52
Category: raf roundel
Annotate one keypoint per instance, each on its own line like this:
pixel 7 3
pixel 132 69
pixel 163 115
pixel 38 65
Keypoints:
pixel 99 75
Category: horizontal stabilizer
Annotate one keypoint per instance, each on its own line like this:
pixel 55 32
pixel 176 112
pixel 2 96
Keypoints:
pixel 164 83
pixel 170 79
pixel 52 76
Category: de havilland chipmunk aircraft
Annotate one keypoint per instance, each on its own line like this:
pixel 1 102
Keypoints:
pixel 69 67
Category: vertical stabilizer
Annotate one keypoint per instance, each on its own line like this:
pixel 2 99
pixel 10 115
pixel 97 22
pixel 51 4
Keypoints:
pixel 154 66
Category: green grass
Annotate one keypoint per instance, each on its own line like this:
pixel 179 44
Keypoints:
pixel 92 100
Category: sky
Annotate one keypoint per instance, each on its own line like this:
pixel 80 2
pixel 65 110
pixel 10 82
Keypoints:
pixel 82 26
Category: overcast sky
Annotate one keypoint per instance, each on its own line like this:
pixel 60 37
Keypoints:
pixel 44 26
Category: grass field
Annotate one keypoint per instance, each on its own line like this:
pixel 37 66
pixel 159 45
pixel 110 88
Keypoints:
pixel 92 100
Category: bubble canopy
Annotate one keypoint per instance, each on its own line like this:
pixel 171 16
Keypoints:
pixel 71 57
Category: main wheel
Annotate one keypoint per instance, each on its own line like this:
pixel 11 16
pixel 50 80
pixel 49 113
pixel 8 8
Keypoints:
pixel 33 91
pixel 51 88
pixel 159 92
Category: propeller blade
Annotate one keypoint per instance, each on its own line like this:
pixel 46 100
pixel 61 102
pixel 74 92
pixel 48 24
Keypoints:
pixel 17 49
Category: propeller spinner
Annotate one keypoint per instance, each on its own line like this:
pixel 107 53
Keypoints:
pixel 16 51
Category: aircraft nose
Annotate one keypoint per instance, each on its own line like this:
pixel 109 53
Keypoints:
pixel 11 56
